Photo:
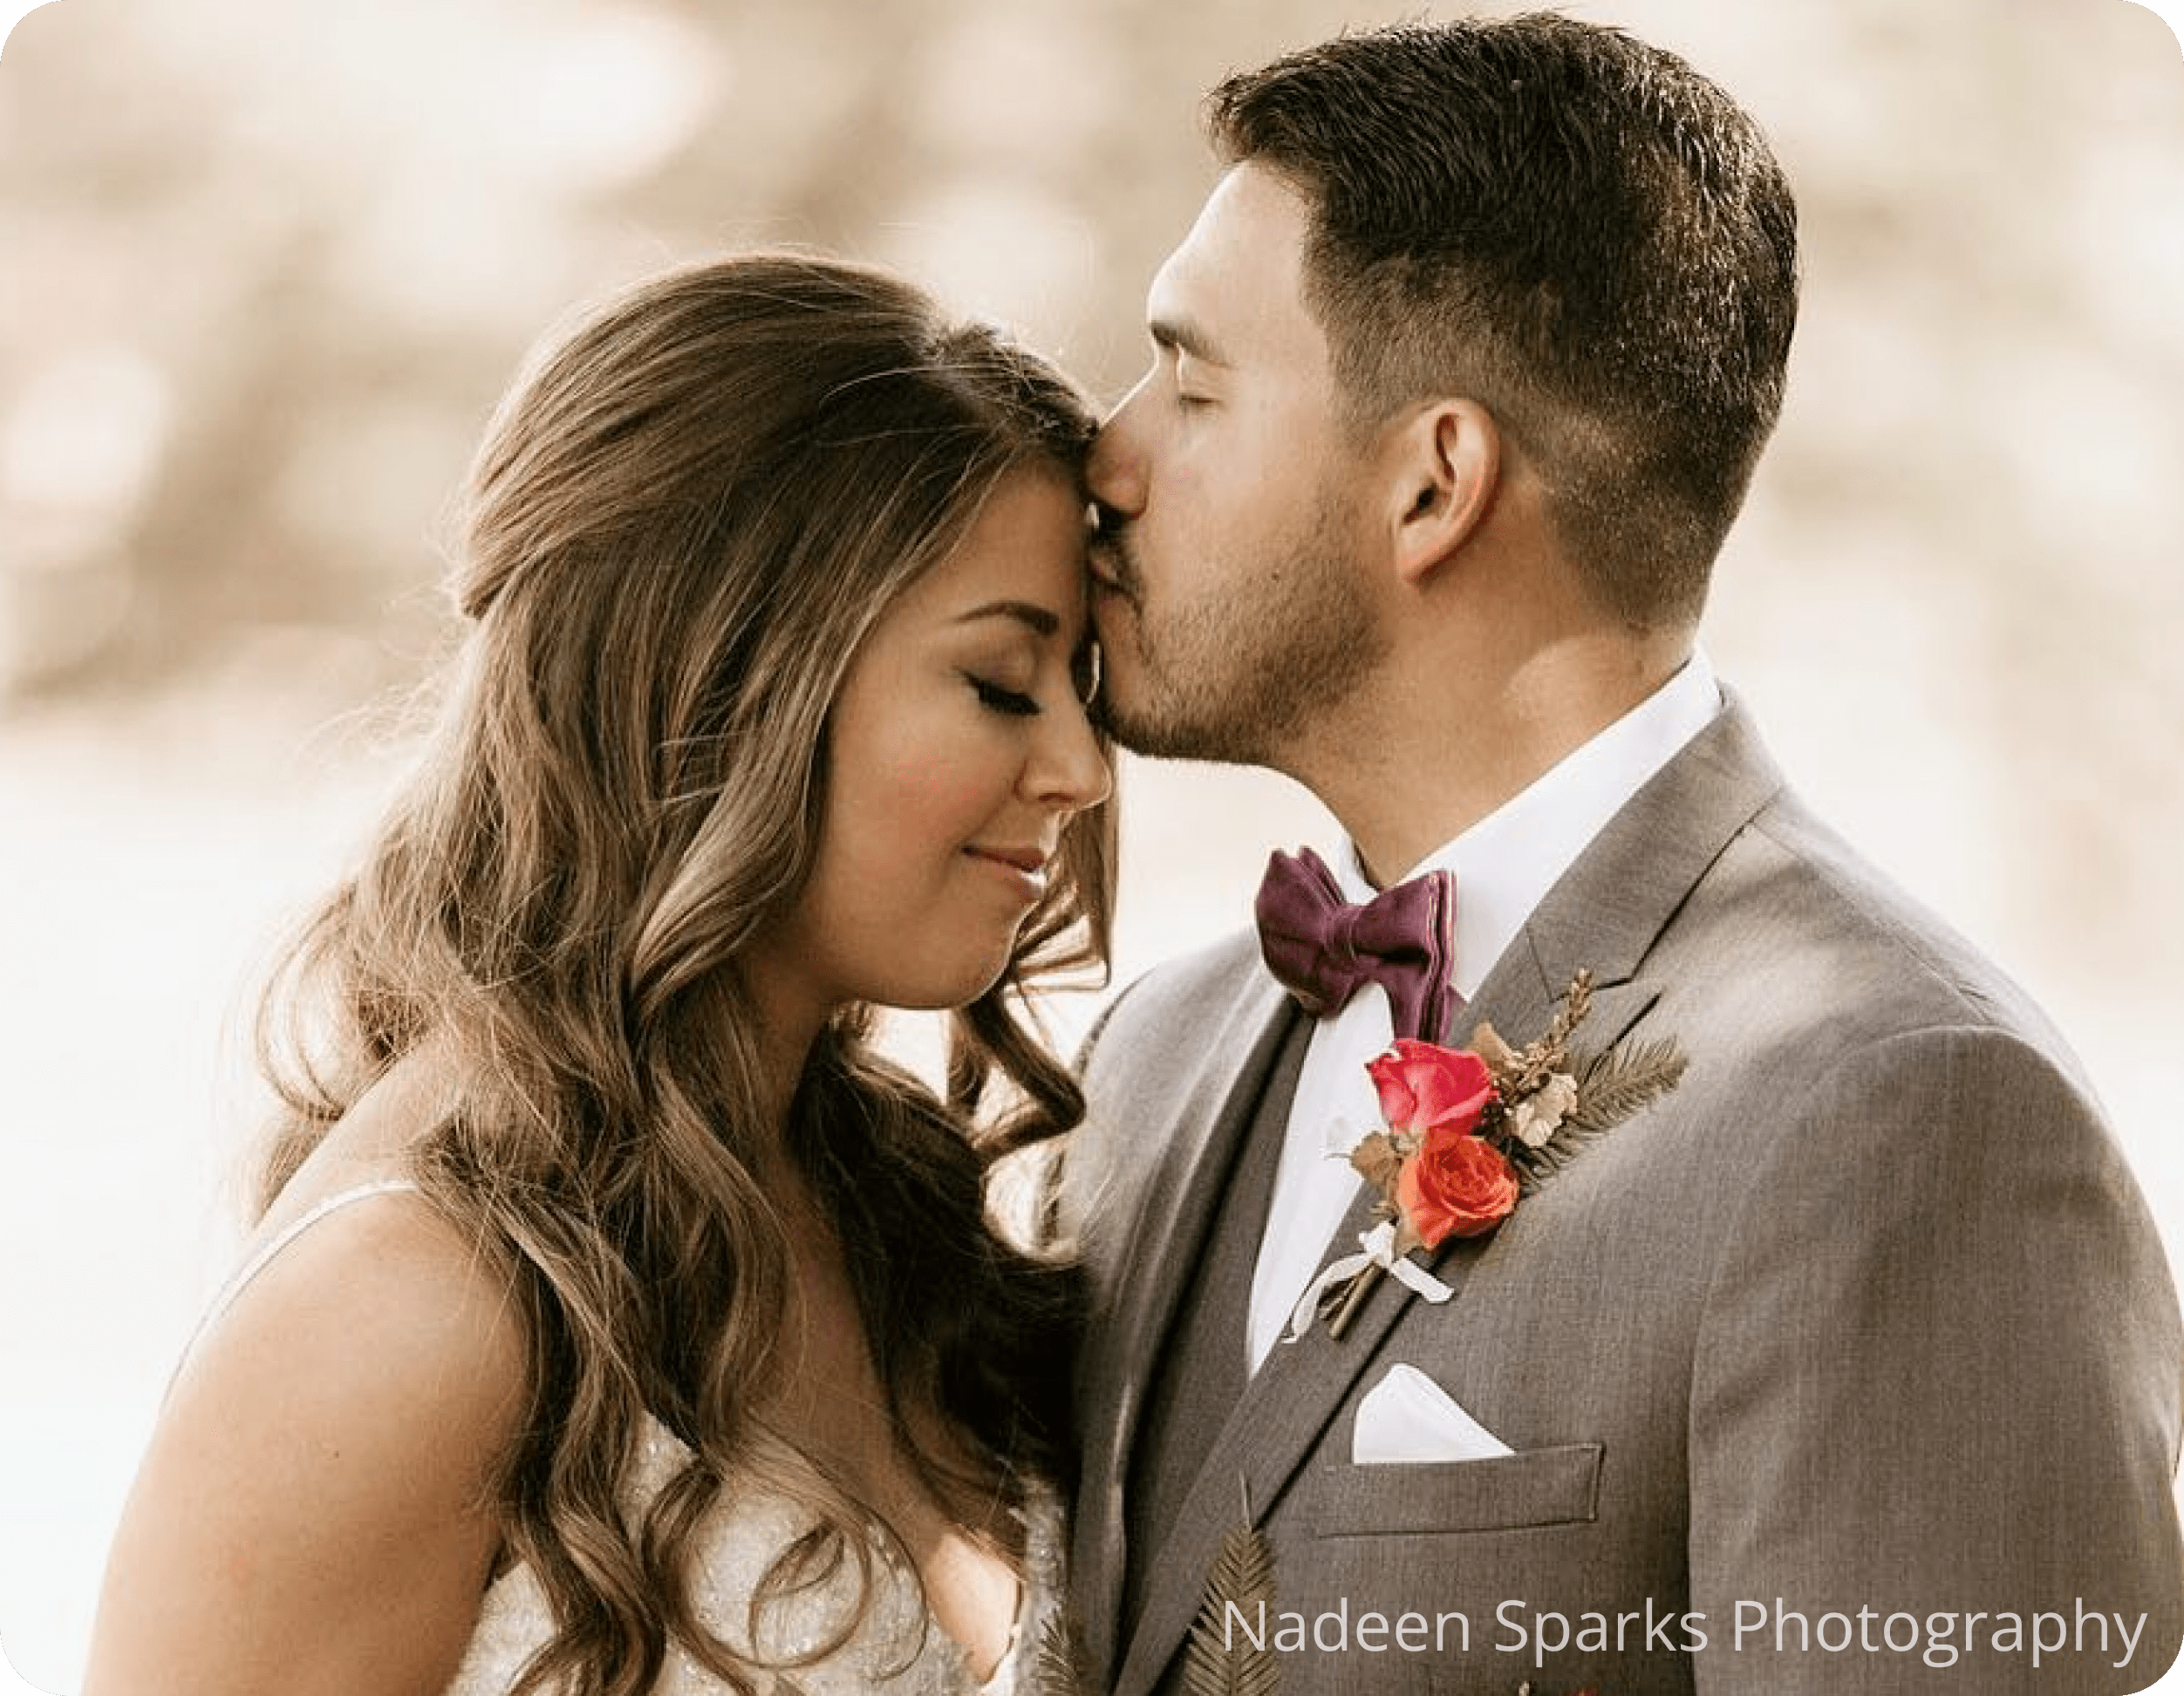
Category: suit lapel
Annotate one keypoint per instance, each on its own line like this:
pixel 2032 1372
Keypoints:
pixel 1284 1411
pixel 1178 1210
pixel 1606 910
pixel 1179 1204
pixel 1602 916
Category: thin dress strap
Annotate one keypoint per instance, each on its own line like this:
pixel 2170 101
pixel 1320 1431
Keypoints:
pixel 280 1240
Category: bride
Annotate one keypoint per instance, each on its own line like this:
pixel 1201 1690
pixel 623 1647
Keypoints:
pixel 618 1322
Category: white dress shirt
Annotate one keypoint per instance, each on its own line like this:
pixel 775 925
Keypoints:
pixel 1503 866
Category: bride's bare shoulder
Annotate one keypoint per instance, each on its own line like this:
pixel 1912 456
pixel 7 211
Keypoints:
pixel 351 1241
pixel 373 1142
pixel 354 1259
pixel 338 1429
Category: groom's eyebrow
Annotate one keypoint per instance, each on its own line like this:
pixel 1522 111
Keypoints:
pixel 1178 334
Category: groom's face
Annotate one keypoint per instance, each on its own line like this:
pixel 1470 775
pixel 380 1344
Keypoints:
pixel 1228 573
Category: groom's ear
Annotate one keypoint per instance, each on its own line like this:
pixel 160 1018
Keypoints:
pixel 1444 470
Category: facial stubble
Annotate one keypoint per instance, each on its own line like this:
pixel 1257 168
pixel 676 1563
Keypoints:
pixel 1240 671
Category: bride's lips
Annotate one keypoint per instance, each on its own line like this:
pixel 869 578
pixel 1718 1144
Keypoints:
pixel 1025 868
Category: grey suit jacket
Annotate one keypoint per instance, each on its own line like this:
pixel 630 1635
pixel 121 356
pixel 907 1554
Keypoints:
pixel 1866 1315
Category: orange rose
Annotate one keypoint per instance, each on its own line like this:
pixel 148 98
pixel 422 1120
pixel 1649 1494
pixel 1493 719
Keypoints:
pixel 1456 1185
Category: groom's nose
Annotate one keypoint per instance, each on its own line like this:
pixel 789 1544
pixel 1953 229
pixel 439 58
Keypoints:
pixel 1116 472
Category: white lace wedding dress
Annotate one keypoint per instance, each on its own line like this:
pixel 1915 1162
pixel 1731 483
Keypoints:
pixel 897 1649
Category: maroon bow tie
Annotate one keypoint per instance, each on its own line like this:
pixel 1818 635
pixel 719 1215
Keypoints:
pixel 1321 948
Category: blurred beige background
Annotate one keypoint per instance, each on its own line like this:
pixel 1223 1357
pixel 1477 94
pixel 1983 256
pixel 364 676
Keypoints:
pixel 264 268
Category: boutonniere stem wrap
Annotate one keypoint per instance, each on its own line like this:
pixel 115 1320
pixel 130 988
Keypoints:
pixel 1376 1254
pixel 1468 1134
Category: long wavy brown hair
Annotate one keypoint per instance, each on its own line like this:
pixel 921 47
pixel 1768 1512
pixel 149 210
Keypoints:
pixel 685 518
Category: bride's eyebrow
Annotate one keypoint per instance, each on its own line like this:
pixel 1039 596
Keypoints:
pixel 1041 620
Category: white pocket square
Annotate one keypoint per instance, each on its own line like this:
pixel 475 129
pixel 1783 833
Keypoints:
pixel 1407 1419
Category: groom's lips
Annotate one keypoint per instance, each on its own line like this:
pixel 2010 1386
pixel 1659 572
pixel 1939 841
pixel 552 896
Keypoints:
pixel 1109 572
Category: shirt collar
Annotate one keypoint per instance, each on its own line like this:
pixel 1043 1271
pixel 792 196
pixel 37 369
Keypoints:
pixel 1506 862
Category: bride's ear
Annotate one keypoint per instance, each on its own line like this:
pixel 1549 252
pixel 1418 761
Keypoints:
pixel 1444 470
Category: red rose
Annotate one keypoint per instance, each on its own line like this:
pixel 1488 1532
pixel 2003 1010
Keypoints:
pixel 1425 1087
pixel 1456 1185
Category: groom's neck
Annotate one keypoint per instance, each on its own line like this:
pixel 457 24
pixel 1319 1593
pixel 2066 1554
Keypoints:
pixel 1436 741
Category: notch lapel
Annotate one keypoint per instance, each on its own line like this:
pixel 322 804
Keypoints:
pixel 1284 1411
pixel 1178 1206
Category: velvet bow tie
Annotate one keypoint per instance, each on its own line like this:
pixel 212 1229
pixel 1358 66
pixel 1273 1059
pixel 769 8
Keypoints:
pixel 1323 949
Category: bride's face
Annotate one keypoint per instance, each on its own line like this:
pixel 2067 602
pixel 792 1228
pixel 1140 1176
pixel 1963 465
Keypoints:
pixel 956 751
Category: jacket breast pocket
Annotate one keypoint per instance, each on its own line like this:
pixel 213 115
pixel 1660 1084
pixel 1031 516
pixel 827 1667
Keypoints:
pixel 1555 1485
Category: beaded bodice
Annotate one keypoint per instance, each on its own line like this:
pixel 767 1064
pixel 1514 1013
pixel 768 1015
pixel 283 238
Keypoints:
pixel 895 1648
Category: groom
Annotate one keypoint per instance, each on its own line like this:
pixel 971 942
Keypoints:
pixel 1848 1364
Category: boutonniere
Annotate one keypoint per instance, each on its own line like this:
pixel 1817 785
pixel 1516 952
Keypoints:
pixel 1469 1133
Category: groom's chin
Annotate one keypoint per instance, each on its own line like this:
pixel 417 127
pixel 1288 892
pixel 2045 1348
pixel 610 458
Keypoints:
pixel 1143 729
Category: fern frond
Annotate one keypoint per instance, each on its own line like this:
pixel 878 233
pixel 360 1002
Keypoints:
pixel 1617 1082
pixel 1059 1665
pixel 1571 1138
pixel 1220 1662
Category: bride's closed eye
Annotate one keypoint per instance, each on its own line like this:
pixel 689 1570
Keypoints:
pixel 1014 703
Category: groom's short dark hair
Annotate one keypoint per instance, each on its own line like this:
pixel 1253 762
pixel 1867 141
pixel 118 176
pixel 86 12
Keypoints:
pixel 1571 227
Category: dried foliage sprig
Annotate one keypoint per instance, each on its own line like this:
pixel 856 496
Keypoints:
pixel 1059 1664
pixel 1217 1660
